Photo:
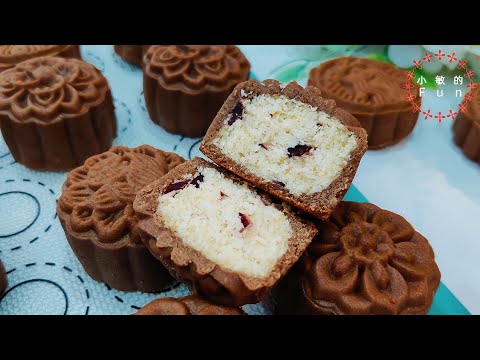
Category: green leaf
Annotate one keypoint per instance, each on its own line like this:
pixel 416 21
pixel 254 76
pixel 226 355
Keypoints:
pixel 291 71
pixel 379 57
pixel 430 78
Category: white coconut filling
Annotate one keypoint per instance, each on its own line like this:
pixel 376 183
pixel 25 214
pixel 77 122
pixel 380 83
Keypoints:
pixel 208 220
pixel 279 123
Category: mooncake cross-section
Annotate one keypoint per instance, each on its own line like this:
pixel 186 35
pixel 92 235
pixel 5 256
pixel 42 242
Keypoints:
pixel 288 141
pixel 228 241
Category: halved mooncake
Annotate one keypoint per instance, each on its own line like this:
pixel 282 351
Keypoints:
pixel 226 240
pixel 288 141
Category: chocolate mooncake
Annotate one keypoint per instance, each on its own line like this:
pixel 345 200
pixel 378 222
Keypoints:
pixel 227 241
pixel 55 112
pixel 185 85
pixel 288 141
pixel 364 260
pixel 188 305
pixel 467 129
pixel 372 92
pixel 132 54
pixel 3 279
pixel 96 212
pixel 10 55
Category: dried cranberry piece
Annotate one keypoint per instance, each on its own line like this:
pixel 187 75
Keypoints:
pixel 236 113
pixel 181 184
pixel 176 186
pixel 298 150
pixel 197 180
pixel 245 221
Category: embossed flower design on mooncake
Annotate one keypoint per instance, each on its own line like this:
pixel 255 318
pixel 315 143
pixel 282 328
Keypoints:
pixel 368 260
pixel 362 83
pixel 48 89
pixel 466 128
pixel 188 305
pixel 24 52
pixel 10 55
pixel 99 195
pixel 197 67
pixel 373 92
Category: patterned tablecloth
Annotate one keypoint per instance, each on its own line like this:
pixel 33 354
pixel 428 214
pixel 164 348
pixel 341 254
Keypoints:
pixel 46 278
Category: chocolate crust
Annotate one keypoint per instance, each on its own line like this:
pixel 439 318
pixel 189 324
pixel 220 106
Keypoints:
pixel 10 55
pixel 466 129
pixel 203 276
pixel 372 92
pixel 185 85
pixel 58 127
pixel 188 305
pixel 3 279
pixel 133 54
pixel 96 213
pixel 364 261
pixel 319 205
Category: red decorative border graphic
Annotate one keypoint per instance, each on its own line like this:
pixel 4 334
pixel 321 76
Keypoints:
pixel 462 64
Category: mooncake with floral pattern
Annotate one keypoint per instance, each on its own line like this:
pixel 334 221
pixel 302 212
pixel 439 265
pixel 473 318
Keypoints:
pixel 364 260
pixel 96 212
pixel 185 85
pixel 55 112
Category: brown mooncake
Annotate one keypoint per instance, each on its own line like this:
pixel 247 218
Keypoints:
pixel 96 213
pixel 364 260
pixel 371 91
pixel 188 305
pixel 185 85
pixel 3 279
pixel 466 129
pixel 55 112
pixel 132 54
pixel 289 142
pixel 10 55
pixel 229 242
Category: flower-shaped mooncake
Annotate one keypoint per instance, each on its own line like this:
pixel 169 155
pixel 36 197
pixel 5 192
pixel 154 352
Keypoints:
pixel 365 260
